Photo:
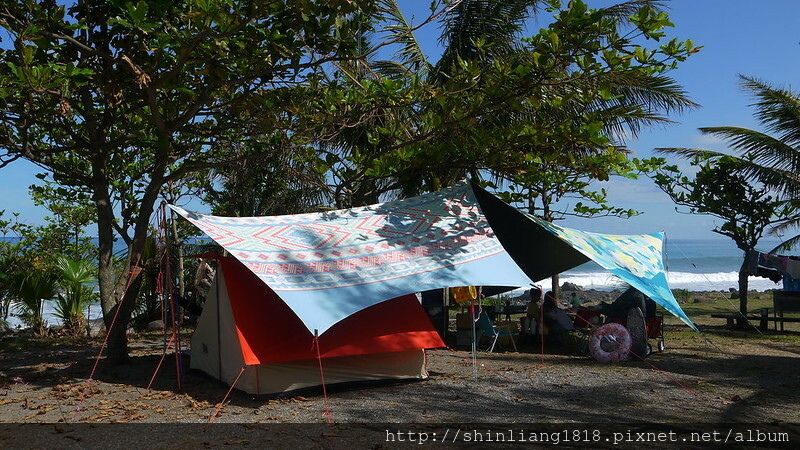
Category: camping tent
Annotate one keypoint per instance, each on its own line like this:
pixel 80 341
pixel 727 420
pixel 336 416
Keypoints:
pixel 334 273
pixel 244 324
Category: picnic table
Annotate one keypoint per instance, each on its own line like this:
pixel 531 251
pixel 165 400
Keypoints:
pixel 782 302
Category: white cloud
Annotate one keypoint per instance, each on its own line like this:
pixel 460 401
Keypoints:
pixel 709 142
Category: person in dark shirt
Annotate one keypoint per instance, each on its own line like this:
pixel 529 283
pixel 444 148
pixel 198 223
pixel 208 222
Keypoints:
pixel 557 320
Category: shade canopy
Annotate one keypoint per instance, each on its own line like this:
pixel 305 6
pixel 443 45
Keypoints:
pixel 328 266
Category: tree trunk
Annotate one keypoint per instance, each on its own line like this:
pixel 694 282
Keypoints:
pixel 128 290
pixel 106 275
pixel 554 280
pixel 743 280
pixel 125 290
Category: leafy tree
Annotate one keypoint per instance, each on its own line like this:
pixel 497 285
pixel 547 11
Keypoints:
pixel 119 98
pixel 772 159
pixel 72 212
pixel 11 261
pixel 719 188
pixel 284 183
pixel 496 102
pixel 542 115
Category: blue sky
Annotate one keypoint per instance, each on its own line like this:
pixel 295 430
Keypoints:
pixel 738 37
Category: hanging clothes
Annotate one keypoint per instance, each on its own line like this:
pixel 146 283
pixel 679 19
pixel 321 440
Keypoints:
pixel 764 265
pixel 793 268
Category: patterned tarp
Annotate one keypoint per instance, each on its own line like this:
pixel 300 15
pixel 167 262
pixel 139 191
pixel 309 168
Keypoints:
pixel 327 266
pixel 635 259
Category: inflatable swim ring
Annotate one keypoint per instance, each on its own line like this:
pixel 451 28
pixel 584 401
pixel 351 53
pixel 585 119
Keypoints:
pixel 610 343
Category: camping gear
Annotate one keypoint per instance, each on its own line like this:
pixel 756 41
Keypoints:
pixel 655 330
pixel 463 294
pixel 324 269
pixel 610 343
pixel 245 324
pixel 637 328
pixel 488 329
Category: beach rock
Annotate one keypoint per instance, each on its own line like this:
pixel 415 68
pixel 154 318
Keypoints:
pixel 156 325
pixel 567 286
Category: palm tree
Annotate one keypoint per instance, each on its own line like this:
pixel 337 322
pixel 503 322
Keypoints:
pixel 771 159
pixel 477 35
pixel 75 275
pixel 30 290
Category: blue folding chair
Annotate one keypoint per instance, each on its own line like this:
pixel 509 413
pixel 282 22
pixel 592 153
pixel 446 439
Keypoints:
pixel 486 328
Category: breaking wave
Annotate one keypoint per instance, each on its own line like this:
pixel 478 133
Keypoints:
pixel 718 281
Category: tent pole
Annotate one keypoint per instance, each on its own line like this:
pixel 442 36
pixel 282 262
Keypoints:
pixel 474 341
pixel 173 301
pixel 217 274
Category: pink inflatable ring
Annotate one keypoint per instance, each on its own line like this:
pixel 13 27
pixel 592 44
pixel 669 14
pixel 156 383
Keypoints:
pixel 610 343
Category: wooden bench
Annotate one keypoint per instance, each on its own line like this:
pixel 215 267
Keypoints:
pixel 782 302
pixel 763 318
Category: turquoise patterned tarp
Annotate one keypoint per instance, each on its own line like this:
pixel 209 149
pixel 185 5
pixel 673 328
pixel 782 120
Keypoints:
pixel 634 259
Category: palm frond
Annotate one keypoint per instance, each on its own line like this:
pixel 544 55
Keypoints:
pixel 75 271
pixel 410 54
pixel 777 109
pixel 622 11
pixel 393 69
pixel 787 244
pixel 498 22
pixel 687 152
pixel 760 147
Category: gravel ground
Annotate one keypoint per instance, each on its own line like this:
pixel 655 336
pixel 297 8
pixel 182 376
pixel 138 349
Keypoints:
pixel 755 380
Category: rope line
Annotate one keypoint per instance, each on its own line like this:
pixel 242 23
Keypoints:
pixel 747 321
pixel 673 379
pixel 170 293
pixel 326 406
pixel 135 271
pixel 161 361
pixel 482 365
pixel 224 399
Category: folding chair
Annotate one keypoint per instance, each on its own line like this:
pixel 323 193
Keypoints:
pixel 486 328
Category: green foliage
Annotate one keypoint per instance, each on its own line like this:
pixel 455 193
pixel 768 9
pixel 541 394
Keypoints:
pixel 499 102
pixel 682 295
pixel 29 290
pixel 273 181
pixel 76 296
pixel 71 213
pixel 720 189
pixel 118 99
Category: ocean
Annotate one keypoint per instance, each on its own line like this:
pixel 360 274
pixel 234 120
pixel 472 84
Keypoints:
pixel 693 264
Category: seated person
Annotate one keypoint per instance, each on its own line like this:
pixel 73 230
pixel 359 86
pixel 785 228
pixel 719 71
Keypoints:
pixel 575 301
pixel 534 310
pixel 556 319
